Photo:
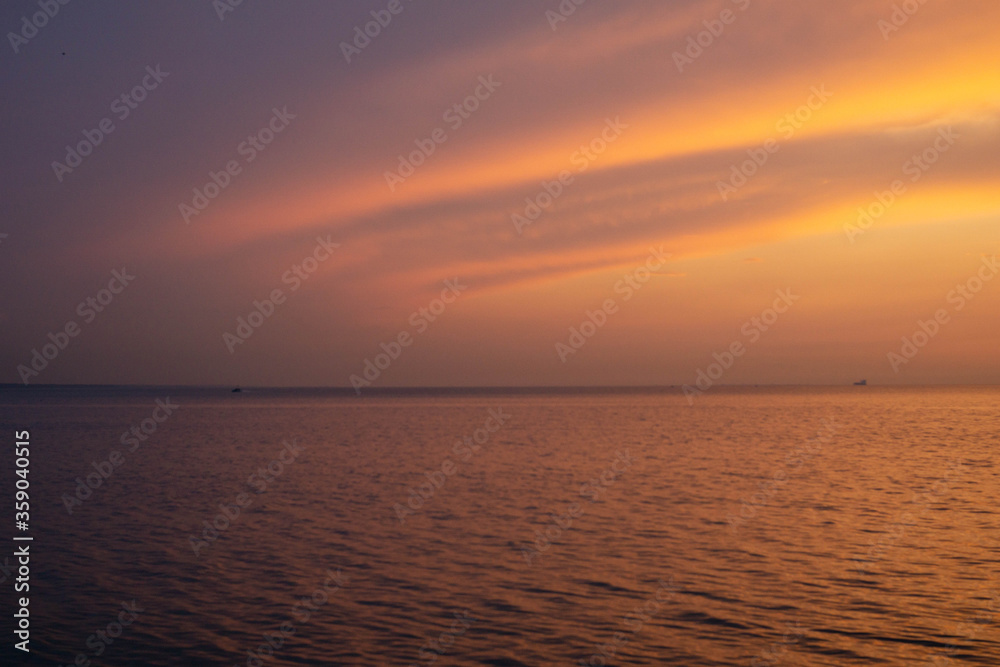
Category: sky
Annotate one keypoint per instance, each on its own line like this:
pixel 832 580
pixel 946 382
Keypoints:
pixel 500 193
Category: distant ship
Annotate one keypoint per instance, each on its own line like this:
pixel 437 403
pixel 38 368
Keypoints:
pixel 863 383
pixel 237 390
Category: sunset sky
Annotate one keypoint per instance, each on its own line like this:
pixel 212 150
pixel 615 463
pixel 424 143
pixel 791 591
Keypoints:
pixel 839 102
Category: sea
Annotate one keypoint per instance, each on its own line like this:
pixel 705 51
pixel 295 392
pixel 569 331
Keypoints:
pixel 506 527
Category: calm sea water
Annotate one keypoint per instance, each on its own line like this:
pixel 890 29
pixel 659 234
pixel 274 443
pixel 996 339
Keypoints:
pixel 799 526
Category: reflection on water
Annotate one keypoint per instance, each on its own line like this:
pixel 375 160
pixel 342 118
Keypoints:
pixel 765 527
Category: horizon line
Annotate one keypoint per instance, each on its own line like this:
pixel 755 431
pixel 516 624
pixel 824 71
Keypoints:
pixel 348 388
